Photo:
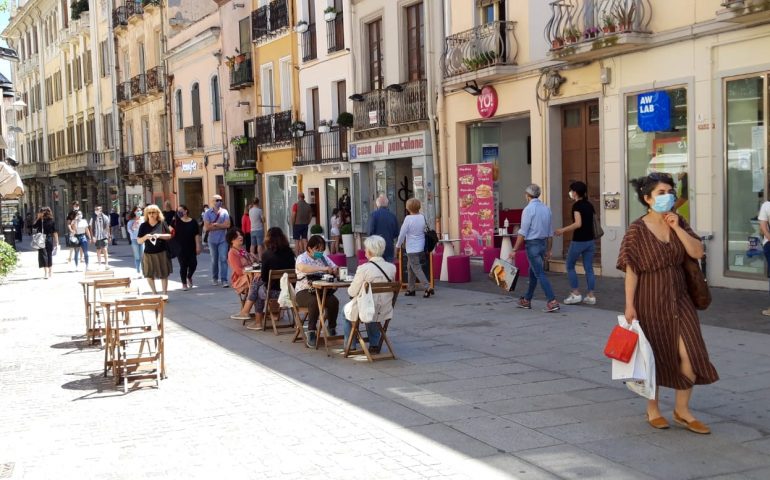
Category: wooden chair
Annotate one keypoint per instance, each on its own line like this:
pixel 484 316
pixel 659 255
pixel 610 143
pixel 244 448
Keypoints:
pixel 136 339
pixel 392 288
pixel 99 273
pixel 300 315
pixel 88 296
pixel 274 311
pixel 104 286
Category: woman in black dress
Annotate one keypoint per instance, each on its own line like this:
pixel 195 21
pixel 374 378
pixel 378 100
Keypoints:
pixel 153 234
pixel 187 234
pixel 46 225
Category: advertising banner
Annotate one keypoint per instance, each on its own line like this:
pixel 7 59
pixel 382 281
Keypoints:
pixel 477 207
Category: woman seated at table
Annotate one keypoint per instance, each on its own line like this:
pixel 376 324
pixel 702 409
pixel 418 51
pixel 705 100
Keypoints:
pixel 314 261
pixel 376 270
pixel 238 259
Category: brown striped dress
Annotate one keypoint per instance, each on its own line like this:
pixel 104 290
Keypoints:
pixel 663 305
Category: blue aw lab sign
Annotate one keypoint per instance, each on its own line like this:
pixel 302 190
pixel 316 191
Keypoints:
pixel 654 111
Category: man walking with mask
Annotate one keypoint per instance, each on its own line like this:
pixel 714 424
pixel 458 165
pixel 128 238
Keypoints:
pixel 100 231
pixel 216 222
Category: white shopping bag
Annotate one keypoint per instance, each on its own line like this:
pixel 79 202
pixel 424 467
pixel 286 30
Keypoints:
pixel 639 372
pixel 284 298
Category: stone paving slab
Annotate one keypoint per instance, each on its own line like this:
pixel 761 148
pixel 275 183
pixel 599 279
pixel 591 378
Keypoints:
pixel 480 389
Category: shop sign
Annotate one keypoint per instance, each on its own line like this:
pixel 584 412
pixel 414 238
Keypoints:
pixel 413 145
pixel 240 176
pixel 654 111
pixel 189 167
pixel 486 103
pixel 477 207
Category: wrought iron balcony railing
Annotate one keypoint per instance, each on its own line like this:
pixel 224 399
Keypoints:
pixel 133 8
pixel 595 23
pixel 484 46
pixel 157 162
pixel 410 104
pixel 316 148
pixel 156 79
pixel 260 24
pixel 125 165
pixel 274 128
pixel 335 34
pixel 124 92
pixel 241 75
pixel 309 44
pixel 246 154
pixel 371 112
pixel 279 15
pixel 138 86
pixel 119 17
pixel 193 137
pixel 268 20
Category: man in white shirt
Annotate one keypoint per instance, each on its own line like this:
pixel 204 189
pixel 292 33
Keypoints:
pixel 764 219
pixel 257 220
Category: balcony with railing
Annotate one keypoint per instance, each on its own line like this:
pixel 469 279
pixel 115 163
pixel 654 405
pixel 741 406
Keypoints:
pixel 744 11
pixel 157 162
pixel 335 34
pixel 193 137
pixel 125 165
pixel 34 170
pixel 309 44
pixel 119 17
pixel 408 103
pixel 134 10
pixel 77 162
pixel 371 111
pixel 481 51
pixel 273 129
pixel 318 148
pixel 246 154
pixel 156 80
pixel 124 92
pixel 241 75
pixel 269 20
pixel 138 87
pixel 586 30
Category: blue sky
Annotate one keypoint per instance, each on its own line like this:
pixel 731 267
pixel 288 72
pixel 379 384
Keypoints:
pixel 5 66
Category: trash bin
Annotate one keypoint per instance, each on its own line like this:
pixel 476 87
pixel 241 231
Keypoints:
pixel 9 235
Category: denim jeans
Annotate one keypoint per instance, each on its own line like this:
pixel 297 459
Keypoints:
pixel 585 250
pixel 138 252
pixel 766 250
pixel 218 252
pixel 83 240
pixel 536 250
pixel 372 332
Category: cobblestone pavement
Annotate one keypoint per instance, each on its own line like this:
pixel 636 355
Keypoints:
pixel 480 390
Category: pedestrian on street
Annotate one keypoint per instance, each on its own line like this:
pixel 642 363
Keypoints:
pixel 301 213
pixel 383 223
pixel 582 244
pixel 246 228
pixel 652 254
pixel 79 227
pixel 18 226
pixel 100 229
pixel 74 208
pixel 169 214
pixel 413 235
pixel 536 235
pixel 45 224
pixel 344 201
pixel 216 222
pixel 257 233
pixel 314 261
pixel 764 227
pixel 188 236
pixel 154 234
pixel 134 222
pixel 203 227
pixel 114 226
pixel 28 221
pixel 334 230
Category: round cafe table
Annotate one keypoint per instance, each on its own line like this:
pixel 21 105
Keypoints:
pixel 449 250
pixel 506 247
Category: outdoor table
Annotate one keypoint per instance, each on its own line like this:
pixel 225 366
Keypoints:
pixel 89 294
pixel 322 288
pixel 506 246
pixel 449 250
pixel 252 274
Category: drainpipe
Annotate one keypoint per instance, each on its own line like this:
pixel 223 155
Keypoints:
pixel 434 93
pixel 168 146
pixel 116 114
pixel 442 178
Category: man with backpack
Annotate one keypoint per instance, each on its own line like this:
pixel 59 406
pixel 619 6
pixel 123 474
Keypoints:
pixel 100 228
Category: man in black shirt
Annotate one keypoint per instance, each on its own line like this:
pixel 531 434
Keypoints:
pixel 582 244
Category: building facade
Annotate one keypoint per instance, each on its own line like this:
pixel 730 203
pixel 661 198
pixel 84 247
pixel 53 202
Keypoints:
pixel 616 90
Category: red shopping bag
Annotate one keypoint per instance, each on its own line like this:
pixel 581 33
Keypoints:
pixel 621 344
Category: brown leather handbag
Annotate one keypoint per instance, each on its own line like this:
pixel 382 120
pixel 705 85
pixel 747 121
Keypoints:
pixel 697 286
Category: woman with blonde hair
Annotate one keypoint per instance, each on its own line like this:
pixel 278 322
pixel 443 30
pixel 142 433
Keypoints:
pixel 153 234
pixel 413 234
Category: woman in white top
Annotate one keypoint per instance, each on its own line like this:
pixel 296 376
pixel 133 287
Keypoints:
pixel 79 227
pixel 376 270
pixel 413 233
pixel 135 220
pixel 334 229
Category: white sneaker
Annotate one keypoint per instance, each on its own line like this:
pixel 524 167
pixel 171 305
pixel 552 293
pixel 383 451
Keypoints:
pixel 573 299
pixel 215 283
pixel 238 316
pixel 224 285
pixel 589 300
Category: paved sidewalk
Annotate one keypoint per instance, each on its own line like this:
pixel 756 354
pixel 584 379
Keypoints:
pixel 480 390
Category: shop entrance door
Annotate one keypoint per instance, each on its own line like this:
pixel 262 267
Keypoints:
pixel 580 159
pixel 192 196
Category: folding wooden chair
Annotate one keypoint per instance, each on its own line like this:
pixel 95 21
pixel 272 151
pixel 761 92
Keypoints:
pixel 392 288
pixel 88 296
pixel 104 286
pixel 300 314
pixel 136 326
pixel 273 310
pixel 99 273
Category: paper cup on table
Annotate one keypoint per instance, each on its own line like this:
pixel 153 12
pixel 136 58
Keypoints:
pixel 446 236
pixel 343 272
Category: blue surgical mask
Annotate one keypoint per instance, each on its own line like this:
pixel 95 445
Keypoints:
pixel 664 203
pixel 318 255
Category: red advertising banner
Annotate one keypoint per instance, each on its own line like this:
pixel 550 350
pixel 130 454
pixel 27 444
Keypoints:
pixel 477 207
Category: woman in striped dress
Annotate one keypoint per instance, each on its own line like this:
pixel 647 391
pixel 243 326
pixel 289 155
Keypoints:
pixel 652 254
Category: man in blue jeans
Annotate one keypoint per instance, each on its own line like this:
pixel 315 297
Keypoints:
pixel 216 221
pixel 536 234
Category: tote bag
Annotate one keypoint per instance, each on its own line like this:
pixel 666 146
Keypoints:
pixel 38 239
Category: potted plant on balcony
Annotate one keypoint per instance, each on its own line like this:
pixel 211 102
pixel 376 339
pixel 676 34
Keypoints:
pixel 734 4
pixel 345 119
pixel 591 32
pixel 298 128
pixel 348 240
pixel 239 57
pixel 571 35
pixel 77 7
pixel 301 27
pixel 324 126
pixel 330 13
pixel 229 61
pixel 239 140
pixel 557 43
pixel 608 24
pixel 625 17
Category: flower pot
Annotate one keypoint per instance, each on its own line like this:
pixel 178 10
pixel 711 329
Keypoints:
pixel 299 133
pixel 301 28
pixel 324 129
pixel 240 58
pixel 571 40
pixel 610 29
pixel 558 43
pixel 330 16
pixel 348 244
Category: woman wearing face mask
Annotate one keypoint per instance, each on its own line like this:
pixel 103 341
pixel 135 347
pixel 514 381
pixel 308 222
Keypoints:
pixel 652 254
pixel 79 228
pixel 188 236
pixel 582 244
pixel 134 221
pixel 313 260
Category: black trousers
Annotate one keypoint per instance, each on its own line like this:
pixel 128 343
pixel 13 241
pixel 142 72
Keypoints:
pixel 188 262
pixel 307 299
pixel 45 255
